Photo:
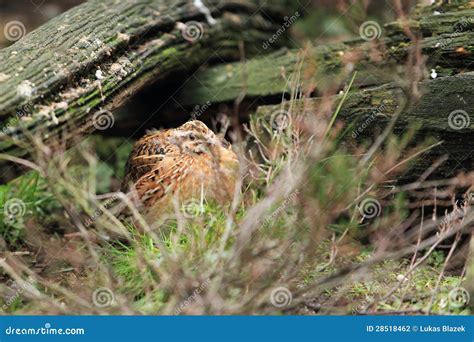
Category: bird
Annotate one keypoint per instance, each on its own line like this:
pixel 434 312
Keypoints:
pixel 181 164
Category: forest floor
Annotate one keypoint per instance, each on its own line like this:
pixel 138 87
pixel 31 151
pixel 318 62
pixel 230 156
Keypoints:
pixel 203 261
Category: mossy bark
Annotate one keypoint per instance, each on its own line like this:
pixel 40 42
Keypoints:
pixel 55 79
pixel 448 46
pixel 99 53
pixel 369 110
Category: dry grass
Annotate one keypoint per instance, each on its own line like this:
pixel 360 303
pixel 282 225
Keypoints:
pixel 316 226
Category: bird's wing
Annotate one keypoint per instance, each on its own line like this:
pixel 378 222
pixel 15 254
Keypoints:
pixel 147 152
pixel 165 177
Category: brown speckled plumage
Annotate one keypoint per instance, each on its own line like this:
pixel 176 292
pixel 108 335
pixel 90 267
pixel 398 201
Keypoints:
pixel 182 163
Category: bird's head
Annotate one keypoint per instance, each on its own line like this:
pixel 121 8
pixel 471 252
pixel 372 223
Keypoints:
pixel 194 137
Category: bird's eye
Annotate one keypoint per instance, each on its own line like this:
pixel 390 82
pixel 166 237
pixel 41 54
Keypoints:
pixel 192 136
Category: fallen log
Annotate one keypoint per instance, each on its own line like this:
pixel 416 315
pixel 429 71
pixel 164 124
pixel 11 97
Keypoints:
pixel 447 44
pixel 62 80
pixel 445 111
pixel 439 114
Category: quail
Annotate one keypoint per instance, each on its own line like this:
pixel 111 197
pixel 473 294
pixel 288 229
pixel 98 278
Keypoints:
pixel 181 164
